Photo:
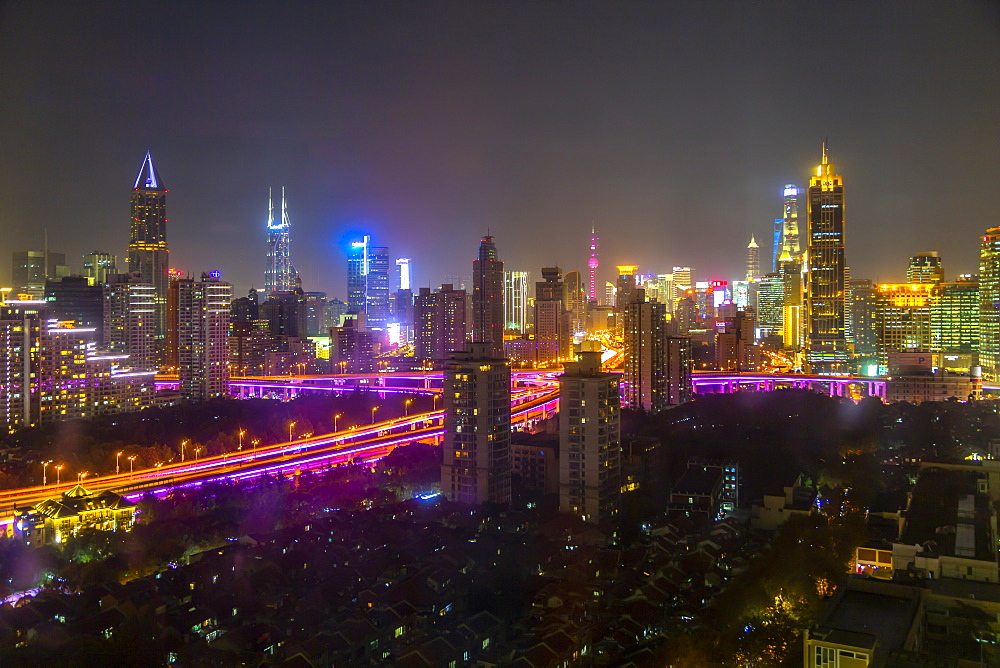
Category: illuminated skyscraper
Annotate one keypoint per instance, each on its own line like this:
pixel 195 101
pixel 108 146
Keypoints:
pixel 368 282
pixel 826 269
pixel 476 466
pixel 279 276
pixel 129 325
pixel 552 335
pixel 989 304
pixel 516 300
pixel 147 250
pixel 487 298
pixel 403 266
pixel 955 317
pixel 786 228
pixel 753 260
pixel 593 263
pixel 575 301
pixel 903 318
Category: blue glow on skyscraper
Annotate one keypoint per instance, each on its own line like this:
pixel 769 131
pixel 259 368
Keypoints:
pixel 279 276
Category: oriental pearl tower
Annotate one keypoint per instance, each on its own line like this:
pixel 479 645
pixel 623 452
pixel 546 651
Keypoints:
pixel 593 263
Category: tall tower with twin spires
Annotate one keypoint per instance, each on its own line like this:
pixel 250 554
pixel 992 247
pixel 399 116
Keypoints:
pixel 279 275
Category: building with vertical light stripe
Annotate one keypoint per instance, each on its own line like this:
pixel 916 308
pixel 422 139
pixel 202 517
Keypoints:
pixel 487 297
pixel 202 332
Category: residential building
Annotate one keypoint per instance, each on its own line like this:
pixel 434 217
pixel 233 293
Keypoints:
pixel 476 393
pixel 202 332
pixel 589 439
pixel 645 376
pixel 439 322
pixel 487 297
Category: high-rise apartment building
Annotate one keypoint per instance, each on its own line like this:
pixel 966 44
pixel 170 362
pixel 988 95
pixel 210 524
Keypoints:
pixel 589 440
pixel 826 271
pixel 487 297
pixel 97 265
pixel 368 282
pixel 476 466
pixel 516 300
pixel 925 268
pixel 679 362
pixel 989 304
pixel 552 335
pixel 753 260
pixel 202 331
pixel 439 322
pixel 279 274
pixel 645 334
pixel 130 319
pixel 147 250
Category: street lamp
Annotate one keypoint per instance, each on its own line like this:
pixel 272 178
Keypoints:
pixel 58 472
pixel 335 418
pixel 254 442
pixel 374 408
pixel 117 468
pixel 241 439
pixel 291 425
pixel 406 407
pixel 80 476
pixel 196 452
pixel 131 464
pixel 436 397
pixel 183 443
pixel 44 465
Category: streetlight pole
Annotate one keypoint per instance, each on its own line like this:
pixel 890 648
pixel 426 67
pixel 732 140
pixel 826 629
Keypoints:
pixel 44 466
pixel 58 472
pixel 131 465
pixel 183 443
pixel 406 407
pixel 196 453
pixel 335 418
pixel 241 440
pixel 80 476
pixel 374 408
pixel 117 458
pixel 291 425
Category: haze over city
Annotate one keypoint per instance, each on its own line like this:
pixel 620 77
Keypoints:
pixel 671 127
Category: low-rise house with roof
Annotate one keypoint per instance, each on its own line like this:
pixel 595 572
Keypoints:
pixel 54 520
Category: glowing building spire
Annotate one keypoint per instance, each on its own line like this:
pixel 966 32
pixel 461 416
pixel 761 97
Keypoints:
pixel 753 260
pixel 279 276
pixel 593 263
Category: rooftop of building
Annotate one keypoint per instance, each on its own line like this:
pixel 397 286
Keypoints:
pixel 699 480
pixel 946 512
pixel 79 500
pixel 869 615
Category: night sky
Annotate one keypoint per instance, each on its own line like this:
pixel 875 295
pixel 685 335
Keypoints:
pixel 670 126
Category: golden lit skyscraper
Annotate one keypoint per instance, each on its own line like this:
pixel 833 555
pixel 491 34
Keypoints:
pixel 989 304
pixel 826 270
pixel 753 260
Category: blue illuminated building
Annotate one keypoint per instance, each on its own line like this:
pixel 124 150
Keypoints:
pixel 280 275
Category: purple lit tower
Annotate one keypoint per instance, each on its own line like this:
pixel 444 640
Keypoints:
pixel 593 263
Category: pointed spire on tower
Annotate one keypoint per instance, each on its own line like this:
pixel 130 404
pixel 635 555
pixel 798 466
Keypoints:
pixel 826 143
pixel 753 243
pixel 148 178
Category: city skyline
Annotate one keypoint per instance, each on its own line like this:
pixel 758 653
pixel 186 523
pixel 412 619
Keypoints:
pixel 504 154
